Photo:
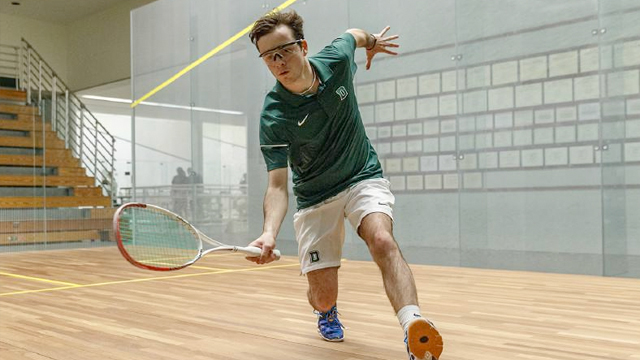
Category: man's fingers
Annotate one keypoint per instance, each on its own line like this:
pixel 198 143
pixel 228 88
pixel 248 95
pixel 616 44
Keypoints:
pixel 390 45
pixel 385 30
pixel 389 52
pixel 266 255
pixel 392 37
pixel 368 63
pixel 252 258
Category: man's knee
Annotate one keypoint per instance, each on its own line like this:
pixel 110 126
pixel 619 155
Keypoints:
pixel 382 244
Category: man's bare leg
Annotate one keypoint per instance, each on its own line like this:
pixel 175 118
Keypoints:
pixel 323 296
pixel 422 338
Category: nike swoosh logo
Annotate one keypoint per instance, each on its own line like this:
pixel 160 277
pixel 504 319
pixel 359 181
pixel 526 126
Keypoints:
pixel 303 120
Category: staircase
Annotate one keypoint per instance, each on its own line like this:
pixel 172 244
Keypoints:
pixel 35 168
pixel 56 160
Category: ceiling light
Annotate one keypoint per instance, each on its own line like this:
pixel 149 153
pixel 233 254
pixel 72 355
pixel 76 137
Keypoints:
pixel 172 106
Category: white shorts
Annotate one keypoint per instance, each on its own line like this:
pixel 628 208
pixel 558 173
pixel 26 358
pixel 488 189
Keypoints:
pixel 320 228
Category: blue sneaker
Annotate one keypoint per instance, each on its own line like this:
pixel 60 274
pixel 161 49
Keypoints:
pixel 423 340
pixel 329 327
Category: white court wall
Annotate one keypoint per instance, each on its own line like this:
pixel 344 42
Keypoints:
pixel 86 53
pixel 50 40
pixel 99 47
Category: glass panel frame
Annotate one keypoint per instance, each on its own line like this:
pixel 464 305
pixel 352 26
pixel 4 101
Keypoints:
pixel 619 68
pixel 528 206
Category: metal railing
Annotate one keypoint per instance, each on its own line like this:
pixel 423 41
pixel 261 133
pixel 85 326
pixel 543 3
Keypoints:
pixel 88 140
pixel 200 203
pixel 9 56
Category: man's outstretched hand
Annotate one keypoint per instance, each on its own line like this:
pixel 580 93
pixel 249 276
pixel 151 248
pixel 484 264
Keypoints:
pixel 381 46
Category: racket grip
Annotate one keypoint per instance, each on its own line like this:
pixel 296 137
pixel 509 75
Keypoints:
pixel 256 251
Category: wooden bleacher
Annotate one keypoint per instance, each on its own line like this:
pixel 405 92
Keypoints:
pixel 32 156
pixel 87 224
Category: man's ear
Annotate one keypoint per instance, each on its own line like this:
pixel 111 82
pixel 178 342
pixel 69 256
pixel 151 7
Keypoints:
pixel 305 46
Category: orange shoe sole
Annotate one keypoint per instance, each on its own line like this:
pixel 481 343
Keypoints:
pixel 424 340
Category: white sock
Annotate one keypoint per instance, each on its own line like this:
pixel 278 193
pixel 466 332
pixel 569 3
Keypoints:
pixel 407 314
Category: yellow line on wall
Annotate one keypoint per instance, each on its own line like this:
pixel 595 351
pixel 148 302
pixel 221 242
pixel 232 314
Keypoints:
pixel 38 279
pixel 75 286
pixel 216 50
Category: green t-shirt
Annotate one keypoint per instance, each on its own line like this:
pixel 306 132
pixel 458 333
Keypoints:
pixel 320 136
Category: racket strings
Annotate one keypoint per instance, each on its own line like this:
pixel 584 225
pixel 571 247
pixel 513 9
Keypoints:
pixel 154 238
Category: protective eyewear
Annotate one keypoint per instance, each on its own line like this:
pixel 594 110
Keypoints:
pixel 283 51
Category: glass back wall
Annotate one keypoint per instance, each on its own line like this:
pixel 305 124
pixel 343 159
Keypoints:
pixel 510 131
pixel 56 159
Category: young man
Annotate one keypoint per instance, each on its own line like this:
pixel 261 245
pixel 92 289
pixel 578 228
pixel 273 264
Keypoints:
pixel 311 122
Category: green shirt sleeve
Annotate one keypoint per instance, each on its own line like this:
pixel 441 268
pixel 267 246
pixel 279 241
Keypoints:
pixel 340 52
pixel 274 148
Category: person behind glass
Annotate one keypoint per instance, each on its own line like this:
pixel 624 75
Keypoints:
pixel 110 187
pixel 194 177
pixel 311 122
pixel 179 192
pixel 240 202
pixel 197 201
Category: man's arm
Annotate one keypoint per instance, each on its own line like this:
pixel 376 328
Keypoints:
pixel 276 203
pixel 374 43
pixel 363 38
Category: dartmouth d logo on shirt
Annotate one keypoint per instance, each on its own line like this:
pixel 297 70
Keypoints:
pixel 342 92
pixel 315 257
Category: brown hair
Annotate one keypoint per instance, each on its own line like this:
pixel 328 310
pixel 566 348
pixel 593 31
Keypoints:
pixel 267 23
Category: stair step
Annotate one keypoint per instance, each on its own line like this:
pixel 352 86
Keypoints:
pixel 24 180
pixel 91 191
pixel 71 171
pixel 52 160
pixel 53 236
pixel 41 214
pixel 57 154
pixel 53 202
pixel 51 140
pixel 39 170
pixel 13 133
pixel 27 226
pixel 18 109
pixel 13 95
pixel 21 191
pixel 4 116
pixel 24 125
pixel 28 117
pixel 106 213
pixel 29 170
pixel 20 151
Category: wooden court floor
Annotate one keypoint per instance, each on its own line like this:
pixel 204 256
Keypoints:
pixel 90 304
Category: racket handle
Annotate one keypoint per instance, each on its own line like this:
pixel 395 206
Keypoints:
pixel 256 251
